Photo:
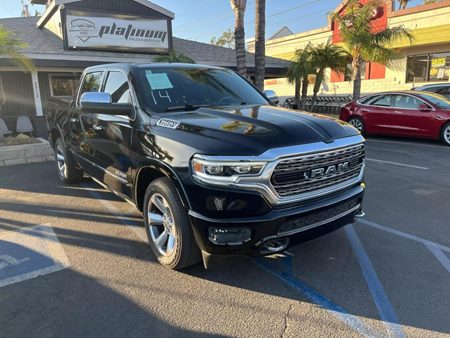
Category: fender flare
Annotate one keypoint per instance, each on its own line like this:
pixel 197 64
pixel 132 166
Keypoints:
pixel 166 171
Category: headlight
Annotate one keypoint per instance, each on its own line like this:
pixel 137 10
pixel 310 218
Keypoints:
pixel 213 171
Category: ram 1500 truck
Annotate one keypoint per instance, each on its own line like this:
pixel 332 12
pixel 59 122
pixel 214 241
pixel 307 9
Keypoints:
pixel 213 165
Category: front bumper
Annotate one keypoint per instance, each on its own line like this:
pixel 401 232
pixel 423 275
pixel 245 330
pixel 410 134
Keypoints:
pixel 297 224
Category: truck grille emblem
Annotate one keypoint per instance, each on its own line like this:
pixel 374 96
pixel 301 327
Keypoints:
pixel 325 171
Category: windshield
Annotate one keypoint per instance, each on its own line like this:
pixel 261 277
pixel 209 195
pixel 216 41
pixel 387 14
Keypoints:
pixel 436 99
pixel 165 89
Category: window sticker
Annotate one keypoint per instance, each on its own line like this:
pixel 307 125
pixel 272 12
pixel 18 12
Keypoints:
pixel 158 81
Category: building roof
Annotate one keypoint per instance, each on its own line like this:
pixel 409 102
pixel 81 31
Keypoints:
pixel 285 31
pixel 44 45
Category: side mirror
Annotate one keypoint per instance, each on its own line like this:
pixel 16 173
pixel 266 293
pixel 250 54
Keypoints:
pixel 425 108
pixel 101 103
pixel 272 96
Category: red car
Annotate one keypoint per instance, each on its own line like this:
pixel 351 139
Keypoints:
pixel 404 114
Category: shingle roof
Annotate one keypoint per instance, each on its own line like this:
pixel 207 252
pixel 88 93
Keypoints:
pixel 43 43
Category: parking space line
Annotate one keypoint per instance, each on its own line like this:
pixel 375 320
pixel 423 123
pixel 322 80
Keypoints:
pixel 287 276
pixel 406 143
pixel 398 164
pixel 404 234
pixel 385 309
pixel 116 212
pixel 440 256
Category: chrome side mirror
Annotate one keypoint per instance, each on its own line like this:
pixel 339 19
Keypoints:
pixel 101 103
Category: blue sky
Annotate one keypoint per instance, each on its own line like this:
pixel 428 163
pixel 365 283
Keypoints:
pixel 202 19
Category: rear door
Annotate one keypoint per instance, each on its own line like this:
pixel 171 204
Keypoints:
pixel 379 115
pixel 81 126
pixel 112 136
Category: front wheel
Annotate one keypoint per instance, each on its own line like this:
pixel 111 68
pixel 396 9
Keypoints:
pixel 358 124
pixel 445 134
pixel 167 226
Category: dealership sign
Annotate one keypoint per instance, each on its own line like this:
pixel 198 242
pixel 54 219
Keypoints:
pixel 91 32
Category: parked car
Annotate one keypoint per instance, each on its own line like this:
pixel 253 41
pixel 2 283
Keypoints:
pixel 403 114
pixel 438 88
pixel 215 168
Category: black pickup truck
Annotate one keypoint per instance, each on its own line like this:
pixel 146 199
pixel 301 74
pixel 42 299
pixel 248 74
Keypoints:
pixel 213 165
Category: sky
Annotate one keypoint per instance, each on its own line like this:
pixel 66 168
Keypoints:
pixel 208 18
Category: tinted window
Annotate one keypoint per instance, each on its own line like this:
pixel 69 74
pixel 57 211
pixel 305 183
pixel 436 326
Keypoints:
pixel 407 102
pixel 382 101
pixel 169 89
pixel 438 100
pixel 445 92
pixel 117 86
pixel 92 82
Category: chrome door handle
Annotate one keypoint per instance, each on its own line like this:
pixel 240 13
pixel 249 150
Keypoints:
pixel 97 127
pixel 73 120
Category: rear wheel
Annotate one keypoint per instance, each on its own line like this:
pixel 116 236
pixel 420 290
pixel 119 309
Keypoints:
pixel 68 173
pixel 168 228
pixel 358 124
pixel 445 134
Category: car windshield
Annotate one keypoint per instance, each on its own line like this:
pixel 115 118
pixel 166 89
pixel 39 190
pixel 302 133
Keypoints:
pixel 438 100
pixel 168 89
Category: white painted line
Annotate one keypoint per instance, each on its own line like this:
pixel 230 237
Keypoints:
pixel 385 309
pixel 398 164
pixel 407 143
pixel 404 234
pixel 440 256
pixel 139 231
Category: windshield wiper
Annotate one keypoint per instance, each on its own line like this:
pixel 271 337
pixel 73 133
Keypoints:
pixel 188 107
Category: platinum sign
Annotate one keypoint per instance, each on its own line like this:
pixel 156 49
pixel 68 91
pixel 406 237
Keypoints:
pixel 90 32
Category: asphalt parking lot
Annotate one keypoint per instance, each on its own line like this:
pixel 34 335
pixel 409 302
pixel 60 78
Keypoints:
pixel 74 262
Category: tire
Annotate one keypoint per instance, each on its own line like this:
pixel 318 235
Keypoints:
pixel 167 226
pixel 68 172
pixel 445 134
pixel 358 123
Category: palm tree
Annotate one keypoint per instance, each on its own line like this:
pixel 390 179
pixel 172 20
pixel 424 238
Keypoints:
pixel 10 47
pixel 298 73
pixel 361 43
pixel 327 56
pixel 260 43
pixel 173 57
pixel 403 4
pixel 238 7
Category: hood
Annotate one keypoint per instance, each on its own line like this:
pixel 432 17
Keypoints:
pixel 251 130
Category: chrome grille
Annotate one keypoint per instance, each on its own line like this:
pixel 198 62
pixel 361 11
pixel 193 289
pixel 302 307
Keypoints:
pixel 293 176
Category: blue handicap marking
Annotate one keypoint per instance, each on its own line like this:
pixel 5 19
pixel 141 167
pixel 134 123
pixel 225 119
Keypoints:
pixel 29 253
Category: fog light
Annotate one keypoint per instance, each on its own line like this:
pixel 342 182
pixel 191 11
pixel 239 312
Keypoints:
pixel 229 236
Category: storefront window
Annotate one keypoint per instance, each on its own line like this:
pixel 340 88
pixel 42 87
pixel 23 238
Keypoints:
pixel 63 85
pixel 349 72
pixel 430 67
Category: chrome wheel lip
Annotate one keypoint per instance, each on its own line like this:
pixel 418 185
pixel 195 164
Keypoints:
pixel 357 124
pixel 61 161
pixel 447 134
pixel 161 225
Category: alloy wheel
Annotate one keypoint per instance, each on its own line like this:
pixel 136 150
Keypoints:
pixel 357 124
pixel 447 134
pixel 161 225
pixel 61 161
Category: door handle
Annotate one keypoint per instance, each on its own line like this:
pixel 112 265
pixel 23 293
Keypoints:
pixel 73 120
pixel 97 127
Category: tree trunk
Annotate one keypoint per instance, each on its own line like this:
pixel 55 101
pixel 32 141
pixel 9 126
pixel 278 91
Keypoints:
pixel 357 65
pixel 297 93
pixel 238 7
pixel 317 84
pixel 260 43
pixel 305 84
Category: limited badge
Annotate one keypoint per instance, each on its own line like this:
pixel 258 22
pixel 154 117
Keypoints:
pixel 168 124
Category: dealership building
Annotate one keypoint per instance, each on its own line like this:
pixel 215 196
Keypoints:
pixel 425 59
pixel 74 34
